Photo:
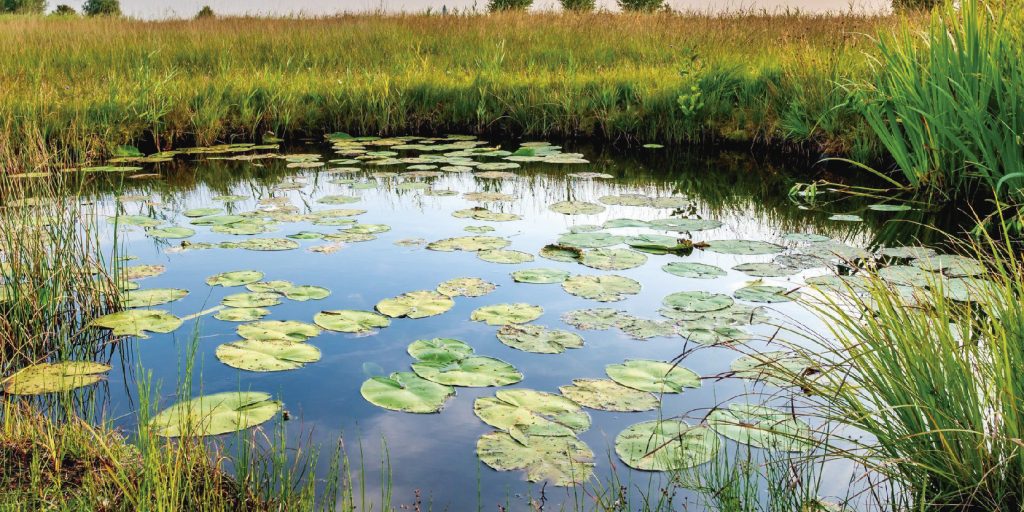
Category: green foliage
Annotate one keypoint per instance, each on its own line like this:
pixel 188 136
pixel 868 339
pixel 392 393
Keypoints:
pixel 205 12
pixel 508 5
pixel 64 10
pixel 101 8
pixel 578 5
pixel 905 5
pixel 23 6
pixel 641 5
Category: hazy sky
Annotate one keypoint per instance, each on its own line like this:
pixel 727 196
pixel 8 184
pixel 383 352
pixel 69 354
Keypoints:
pixel 187 8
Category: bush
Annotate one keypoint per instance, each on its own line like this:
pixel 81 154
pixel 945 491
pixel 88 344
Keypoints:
pixel 64 10
pixel 641 5
pixel 23 6
pixel 102 8
pixel 906 5
pixel 578 5
pixel 205 12
pixel 508 5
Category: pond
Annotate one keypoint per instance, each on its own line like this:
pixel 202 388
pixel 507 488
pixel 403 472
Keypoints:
pixel 360 221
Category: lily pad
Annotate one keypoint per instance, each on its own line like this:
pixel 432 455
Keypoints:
pixel 505 256
pixel 266 244
pixel 143 271
pixel 305 293
pixel 348 320
pixel 201 212
pixel 612 259
pixel 468 243
pixel 368 229
pixel 152 297
pixel 805 237
pixel 711 335
pixel 907 252
pixel 241 314
pixel 418 304
pixel 693 270
pixel 907 275
pixel 540 276
pixel 338 199
pixel 761 427
pixel 642 329
pixel 478 229
pixel 483 214
pixel 660 244
pixel 765 270
pixel 589 240
pixel 653 376
pixel 594 319
pixel 276 286
pixel 525 412
pixel 538 339
pixel 171 232
pixel 843 217
pixel 451 362
pixel 267 355
pixel 607 288
pixel 952 265
pixel 251 300
pixel 215 414
pixel 625 223
pixel 54 377
pixel 562 460
pixel 684 225
pixel 406 392
pixel 576 208
pixel 466 287
pixel 666 445
pixel 766 294
pixel 744 247
pixel 608 395
pixel 697 301
pixel 779 368
pixel 505 314
pixel 137 322
pixel 561 253
pixel 889 207
pixel 288 330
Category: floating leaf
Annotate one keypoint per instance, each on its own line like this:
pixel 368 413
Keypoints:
pixel 642 329
pixel 576 208
pixel 466 287
pixel 609 288
pixel 625 223
pixel 805 237
pixel 612 259
pixel 765 269
pixel 406 392
pixel 561 253
pixel 653 376
pixel 889 207
pixel 761 427
pixel 589 240
pixel 538 339
pixel 215 414
pixel 418 304
pixel 54 377
pixel 841 217
pixel 594 319
pixel 368 229
pixel 483 197
pixel 451 362
pixel 525 412
pixel 305 293
pixel 288 330
pixel 265 244
pixel 952 265
pixel 170 232
pixel 907 275
pixel 697 301
pixel 348 320
pixel 626 200
pixel 504 314
pixel 744 247
pixel 143 271
pixel 468 243
pixel 277 286
pixel 778 368
pixel 762 293
pixel 693 270
pixel 486 215
pixel 684 225
pixel 138 220
pixel 267 355
pixel 201 212
pixel 505 256
pixel 338 199
pixel 137 322
pixel 478 229
pixel 540 276
pixel 907 252
pixel 564 460
pixel 666 445
pixel 251 300
pixel 607 395
pixel 241 314
pixel 153 297
pixel 306 235
pixel 713 335
pixel 440 350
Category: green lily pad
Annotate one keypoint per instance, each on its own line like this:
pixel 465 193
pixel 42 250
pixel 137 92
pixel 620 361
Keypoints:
pixel 626 200
pixel 483 214
pixel 218 220
pixel 540 276
pixel 478 229
pixel 439 350
pixel 418 304
pixel 607 395
pixel 625 223
pixel 907 253
pixel 287 330
pixel 468 243
pixel 466 287
pixel 54 377
pixel 666 445
pixel 170 232
pixel 451 362
pixel 266 244
pixel 585 228
pixel 561 253
pixel 137 322
pixel 693 270
pixel 952 265
pixel 346 237
pixel 889 207
pixel 737 314
pixel 589 240
pixel 594 319
pixel 505 256
pixel 653 376
pixel 907 275
pixel 406 392
pixel 538 339
pixel 247 227
pixel 612 259
pixel 486 197
pixel 251 300
pixel 153 297
pixel 842 217
pixel 267 355
pixel 697 301
pixel 348 320
pixel 276 286
pixel 766 294
pixel 765 269
pixel 805 237
pixel 779 368
pixel 970 289
pixel 368 229
pixel 306 235
pixel 525 412
pixel 744 247
pixel 505 314
pixel 215 414
pixel 659 244
pixel 306 293
pixel 684 225
pixel 143 271
pixel 241 314
pixel 339 199
pixel 606 288
pixel 761 427
pixel 201 212
pixel 576 208
pixel 562 460
pixel 711 335
pixel 138 220
pixel 643 329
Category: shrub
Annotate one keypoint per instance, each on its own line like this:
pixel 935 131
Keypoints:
pixel 205 12
pixel 64 10
pixel 23 6
pixel 102 8
pixel 508 5
pixel 906 5
pixel 578 5
pixel 641 5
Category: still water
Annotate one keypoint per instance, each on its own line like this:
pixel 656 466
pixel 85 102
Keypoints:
pixel 435 453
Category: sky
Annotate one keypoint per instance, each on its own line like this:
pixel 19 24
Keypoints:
pixel 155 9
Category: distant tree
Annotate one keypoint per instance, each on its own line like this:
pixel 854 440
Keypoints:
pixel 64 10
pixel 102 8
pixel 23 6
pixel 578 5
pixel 205 12
pixel 909 5
pixel 508 5
pixel 641 5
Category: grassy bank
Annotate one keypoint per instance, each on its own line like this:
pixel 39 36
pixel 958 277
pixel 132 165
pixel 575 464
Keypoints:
pixel 664 77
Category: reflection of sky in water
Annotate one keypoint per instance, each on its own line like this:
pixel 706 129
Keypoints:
pixel 187 8
pixel 435 453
